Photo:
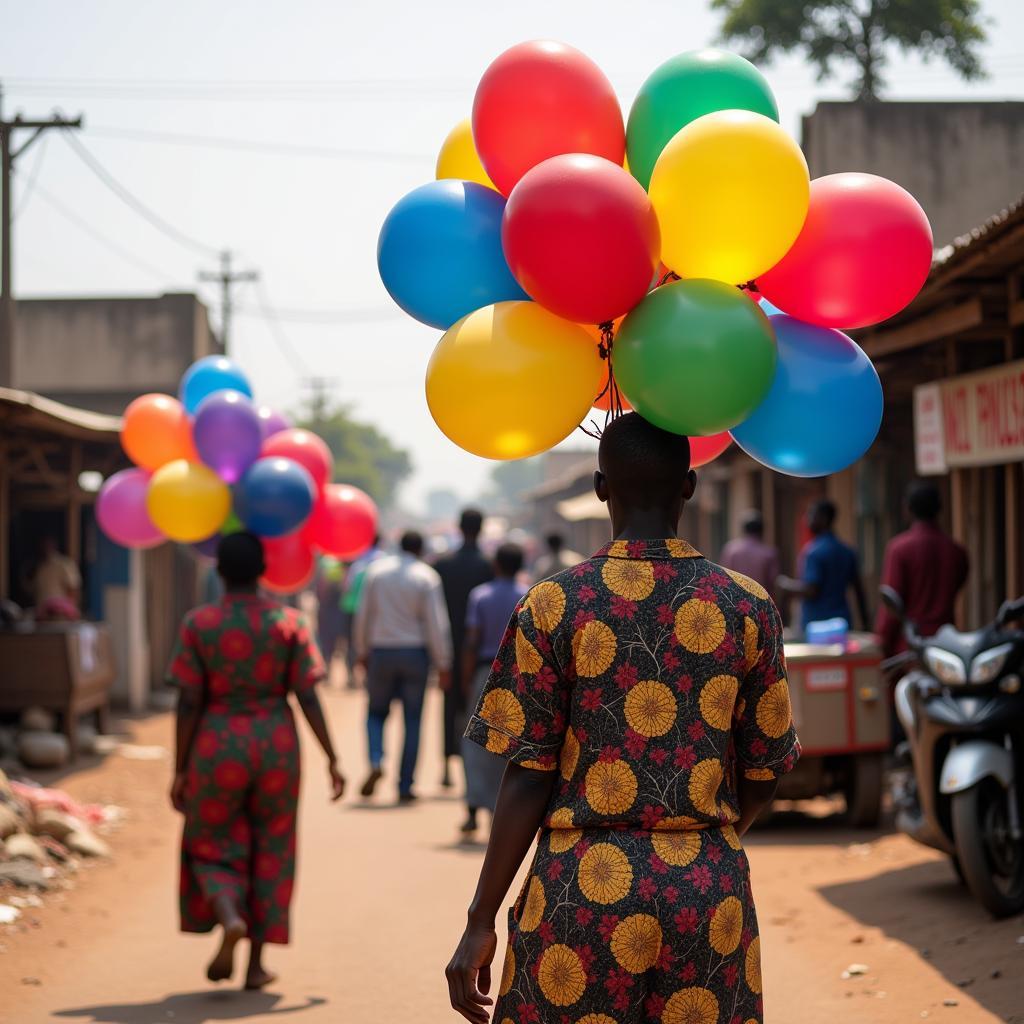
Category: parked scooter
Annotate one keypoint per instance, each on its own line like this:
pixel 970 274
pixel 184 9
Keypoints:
pixel 962 707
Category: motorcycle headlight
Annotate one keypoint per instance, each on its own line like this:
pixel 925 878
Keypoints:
pixel 987 666
pixel 947 668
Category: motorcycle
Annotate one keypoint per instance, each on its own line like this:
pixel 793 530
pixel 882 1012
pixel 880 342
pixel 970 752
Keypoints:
pixel 961 704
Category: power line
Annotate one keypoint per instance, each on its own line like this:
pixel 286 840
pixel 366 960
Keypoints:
pixel 325 317
pixel 253 145
pixel 133 201
pixel 277 333
pixel 227 278
pixel 30 183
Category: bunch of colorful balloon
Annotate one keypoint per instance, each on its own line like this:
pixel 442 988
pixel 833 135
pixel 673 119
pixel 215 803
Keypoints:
pixel 212 462
pixel 541 251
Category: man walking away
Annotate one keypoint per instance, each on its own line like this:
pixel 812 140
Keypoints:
pixel 401 629
pixel 925 566
pixel 558 557
pixel 490 608
pixel 750 555
pixel 460 572
pixel 828 568
pixel 351 596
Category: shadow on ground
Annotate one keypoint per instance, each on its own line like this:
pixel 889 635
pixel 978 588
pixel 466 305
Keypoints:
pixel 191 1008
pixel 810 823
pixel 927 909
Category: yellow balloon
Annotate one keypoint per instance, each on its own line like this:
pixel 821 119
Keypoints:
pixel 458 157
pixel 188 501
pixel 512 380
pixel 731 192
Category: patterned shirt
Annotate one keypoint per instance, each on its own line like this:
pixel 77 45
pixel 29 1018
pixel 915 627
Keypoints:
pixel 648 677
pixel 248 653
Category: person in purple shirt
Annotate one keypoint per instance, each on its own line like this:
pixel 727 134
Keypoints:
pixel 750 555
pixel 487 617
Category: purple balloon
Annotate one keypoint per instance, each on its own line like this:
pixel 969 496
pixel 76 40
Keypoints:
pixel 271 421
pixel 227 434
pixel 121 510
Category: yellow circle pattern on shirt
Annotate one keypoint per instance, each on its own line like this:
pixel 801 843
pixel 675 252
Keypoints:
pixel 563 836
pixel 691 1006
pixel 593 648
pixel 726 926
pixel 774 714
pixel 717 700
pixel 611 787
pixel 533 906
pixel 650 708
pixel 497 742
pixel 561 975
pixel 752 966
pixel 677 847
pixel 751 639
pixel 570 755
pixel 700 625
pixel 749 585
pixel 597 1018
pixel 528 659
pixel 546 602
pixel 629 578
pixel 705 778
pixel 508 972
pixel 502 711
pixel 605 874
pixel 636 943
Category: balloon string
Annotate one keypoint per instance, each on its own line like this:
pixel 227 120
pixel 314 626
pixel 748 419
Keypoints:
pixel 750 286
pixel 668 278
pixel 611 389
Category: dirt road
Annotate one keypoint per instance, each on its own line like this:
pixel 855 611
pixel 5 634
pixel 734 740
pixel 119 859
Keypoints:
pixel 382 895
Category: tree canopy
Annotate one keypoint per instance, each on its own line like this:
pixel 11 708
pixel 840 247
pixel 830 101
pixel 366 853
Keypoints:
pixel 363 456
pixel 509 479
pixel 859 32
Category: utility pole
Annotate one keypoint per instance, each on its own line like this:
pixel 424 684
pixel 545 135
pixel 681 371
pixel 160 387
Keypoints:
pixel 9 152
pixel 320 386
pixel 226 277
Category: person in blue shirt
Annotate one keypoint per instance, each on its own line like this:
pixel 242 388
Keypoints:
pixel 828 570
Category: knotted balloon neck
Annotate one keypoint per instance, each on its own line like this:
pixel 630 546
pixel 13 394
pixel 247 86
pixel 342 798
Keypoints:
pixel 750 286
pixel 611 388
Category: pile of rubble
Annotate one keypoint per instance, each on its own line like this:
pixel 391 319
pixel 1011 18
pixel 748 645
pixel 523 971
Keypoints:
pixel 44 834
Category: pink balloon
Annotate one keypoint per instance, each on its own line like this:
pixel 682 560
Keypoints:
pixel 305 448
pixel 343 523
pixel 864 252
pixel 121 510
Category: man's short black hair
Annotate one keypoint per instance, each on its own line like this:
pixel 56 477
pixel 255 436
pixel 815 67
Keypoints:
pixel 643 464
pixel 753 523
pixel 824 511
pixel 240 559
pixel 471 522
pixel 924 500
pixel 509 559
pixel 555 542
pixel 412 542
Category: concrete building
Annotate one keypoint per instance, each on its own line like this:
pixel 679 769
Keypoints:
pixel 960 160
pixel 100 353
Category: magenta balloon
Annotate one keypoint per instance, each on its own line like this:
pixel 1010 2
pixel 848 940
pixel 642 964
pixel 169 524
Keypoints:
pixel 121 510
pixel 227 434
pixel 271 421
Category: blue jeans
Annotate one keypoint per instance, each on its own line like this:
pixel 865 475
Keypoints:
pixel 397 674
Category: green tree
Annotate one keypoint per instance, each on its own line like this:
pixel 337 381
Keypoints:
pixel 363 456
pixel 860 32
pixel 510 479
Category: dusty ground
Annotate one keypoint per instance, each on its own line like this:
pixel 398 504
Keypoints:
pixel 382 895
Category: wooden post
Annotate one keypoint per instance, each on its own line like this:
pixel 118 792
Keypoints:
pixel 5 522
pixel 1011 528
pixel 74 513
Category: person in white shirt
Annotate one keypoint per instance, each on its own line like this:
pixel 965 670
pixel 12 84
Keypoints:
pixel 401 630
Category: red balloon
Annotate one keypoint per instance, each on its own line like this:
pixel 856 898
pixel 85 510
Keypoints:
pixel 542 99
pixel 305 448
pixel 705 449
pixel 290 563
pixel 581 237
pixel 343 523
pixel 863 254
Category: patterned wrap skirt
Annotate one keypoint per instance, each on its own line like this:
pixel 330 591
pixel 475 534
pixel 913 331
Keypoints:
pixel 615 926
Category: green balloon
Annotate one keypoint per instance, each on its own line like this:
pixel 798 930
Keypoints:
pixel 684 88
pixel 232 525
pixel 695 357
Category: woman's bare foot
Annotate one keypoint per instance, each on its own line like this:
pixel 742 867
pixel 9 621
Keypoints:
pixel 257 978
pixel 222 966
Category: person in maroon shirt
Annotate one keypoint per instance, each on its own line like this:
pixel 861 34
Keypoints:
pixel 925 566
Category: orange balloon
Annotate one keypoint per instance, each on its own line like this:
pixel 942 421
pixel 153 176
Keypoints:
pixel 157 430
pixel 604 399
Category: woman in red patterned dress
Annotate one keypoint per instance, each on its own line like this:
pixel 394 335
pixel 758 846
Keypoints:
pixel 237 768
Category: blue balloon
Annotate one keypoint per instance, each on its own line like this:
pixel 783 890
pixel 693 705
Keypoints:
pixel 440 255
pixel 768 309
pixel 824 407
pixel 274 497
pixel 208 375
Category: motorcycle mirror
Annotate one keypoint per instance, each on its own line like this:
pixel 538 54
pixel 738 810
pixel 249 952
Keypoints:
pixel 892 601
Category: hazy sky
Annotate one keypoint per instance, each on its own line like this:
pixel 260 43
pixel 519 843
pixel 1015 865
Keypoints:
pixel 377 83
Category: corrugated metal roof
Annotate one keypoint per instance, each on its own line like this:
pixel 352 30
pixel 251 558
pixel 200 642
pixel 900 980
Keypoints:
pixel 996 225
pixel 63 419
